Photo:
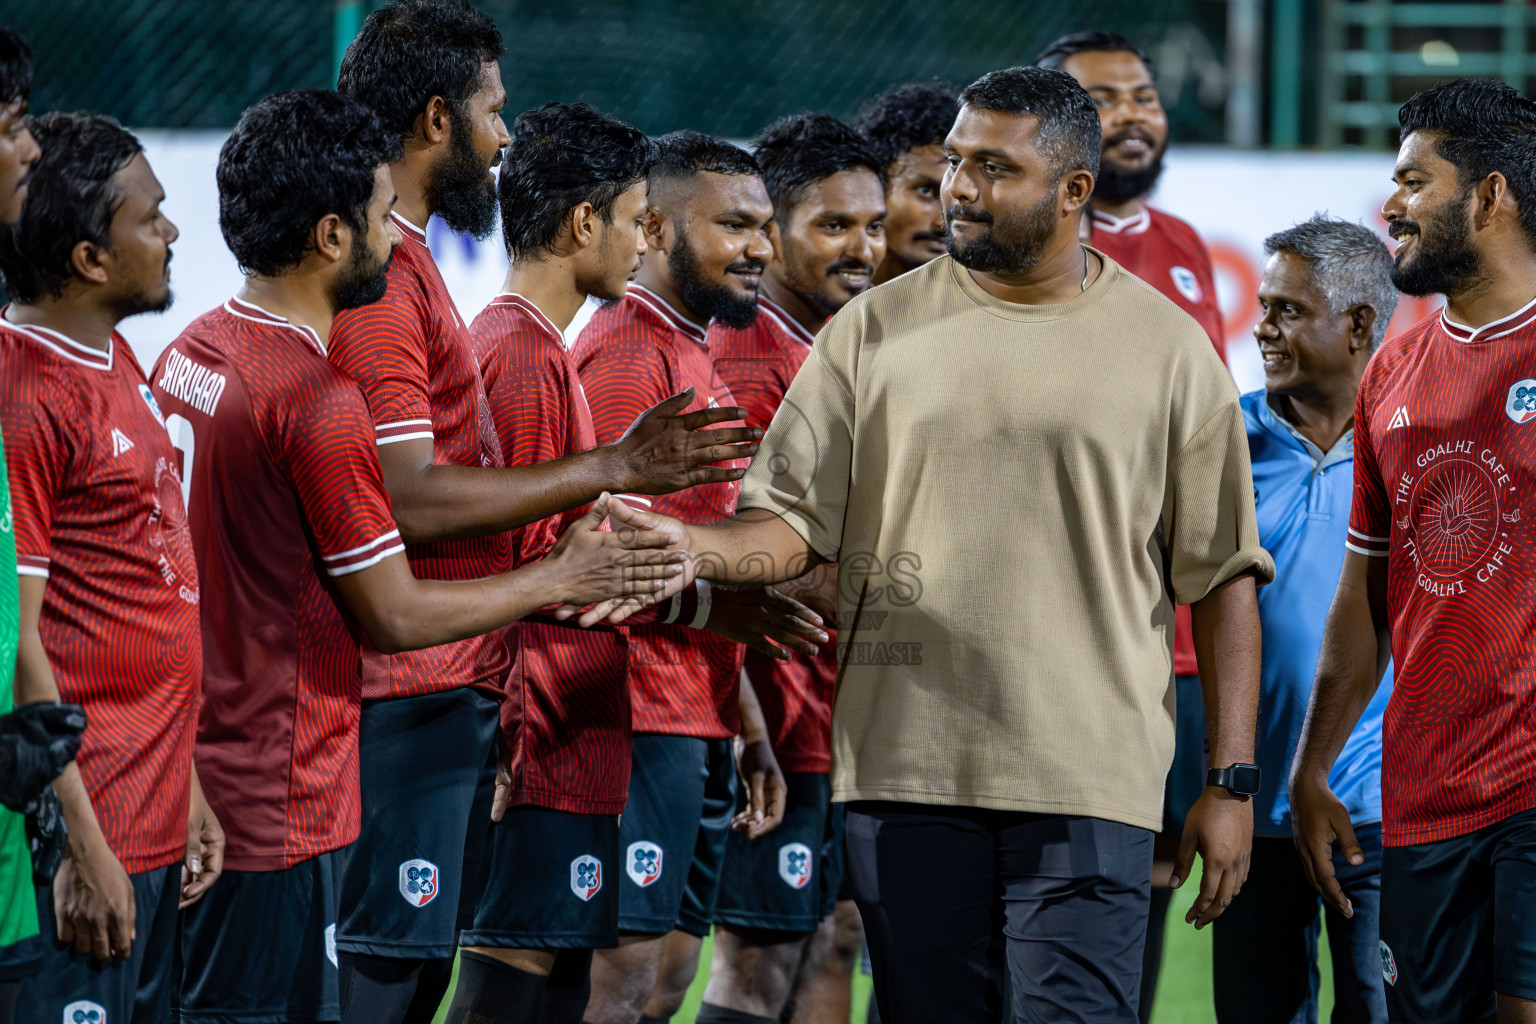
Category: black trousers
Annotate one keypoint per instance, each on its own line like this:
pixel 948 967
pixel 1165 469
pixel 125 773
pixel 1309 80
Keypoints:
pixel 978 915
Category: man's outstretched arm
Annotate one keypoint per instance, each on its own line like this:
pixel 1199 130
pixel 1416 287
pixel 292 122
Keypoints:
pixel 1356 648
pixel 752 548
pixel 664 450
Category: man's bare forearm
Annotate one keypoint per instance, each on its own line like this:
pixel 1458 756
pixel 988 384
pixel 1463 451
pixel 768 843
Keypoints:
pixel 34 682
pixel 433 502
pixel 1227 644
pixel 753 548
pixel 1349 667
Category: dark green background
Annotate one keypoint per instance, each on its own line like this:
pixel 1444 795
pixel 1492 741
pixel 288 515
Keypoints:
pixel 722 66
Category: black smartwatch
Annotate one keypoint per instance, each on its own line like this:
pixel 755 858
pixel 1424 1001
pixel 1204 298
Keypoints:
pixel 1241 780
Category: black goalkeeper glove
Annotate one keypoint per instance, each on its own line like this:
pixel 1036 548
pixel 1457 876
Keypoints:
pixel 37 741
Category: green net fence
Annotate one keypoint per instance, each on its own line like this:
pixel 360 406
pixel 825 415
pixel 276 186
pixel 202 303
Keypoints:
pixel 722 66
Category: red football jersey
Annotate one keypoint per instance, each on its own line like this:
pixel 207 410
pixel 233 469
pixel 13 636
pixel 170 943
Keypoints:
pixel 1168 254
pixel 1445 459
pixel 566 716
pixel 98 512
pixel 758 363
pixel 632 354
pixel 412 356
pixel 283 490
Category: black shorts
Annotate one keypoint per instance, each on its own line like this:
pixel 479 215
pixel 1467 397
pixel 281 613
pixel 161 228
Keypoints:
pixel 550 883
pixel 427 767
pixel 73 986
pixel 780 882
pixel 1458 923
pixel 682 795
pixel 260 948
pixel 20 959
pixel 834 859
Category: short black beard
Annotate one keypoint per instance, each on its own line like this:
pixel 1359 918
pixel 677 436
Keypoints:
pixel 705 298
pixel 1117 185
pixel 1445 262
pixel 1010 247
pixel 144 301
pixel 363 281
pixel 463 192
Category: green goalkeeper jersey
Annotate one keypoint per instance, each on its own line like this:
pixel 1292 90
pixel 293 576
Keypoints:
pixel 18 909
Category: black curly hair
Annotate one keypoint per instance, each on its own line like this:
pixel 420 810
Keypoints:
pixel 901 119
pixel 292 159
pixel 798 151
pixel 562 155
pixel 15 68
pixel 411 50
pixel 1091 41
pixel 71 199
pixel 684 153
pixel 1068 134
pixel 1481 125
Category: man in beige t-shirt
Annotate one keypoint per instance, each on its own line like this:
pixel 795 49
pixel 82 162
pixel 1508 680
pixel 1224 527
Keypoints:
pixel 1022 457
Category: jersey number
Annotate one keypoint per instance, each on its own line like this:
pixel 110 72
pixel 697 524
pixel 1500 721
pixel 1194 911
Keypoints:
pixel 183 441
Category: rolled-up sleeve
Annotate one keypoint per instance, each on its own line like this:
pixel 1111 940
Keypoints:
pixel 1210 524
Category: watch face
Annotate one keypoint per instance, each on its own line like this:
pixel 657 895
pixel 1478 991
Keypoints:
pixel 1244 779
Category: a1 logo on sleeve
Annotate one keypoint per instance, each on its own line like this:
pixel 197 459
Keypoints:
pixel 83 1011
pixel 419 881
pixel 1520 406
pixel 643 863
pixel 586 877
pixel 795 864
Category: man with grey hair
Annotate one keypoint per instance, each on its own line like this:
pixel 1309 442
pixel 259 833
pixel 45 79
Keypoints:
pixel 1327 295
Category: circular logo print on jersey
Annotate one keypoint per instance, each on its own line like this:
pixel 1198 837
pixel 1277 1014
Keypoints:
pixel 84 1011
pixel 1454 515
pixel 586 876
pixel 795 865
pixel 1388 964
pixel 418 881
pixel 643 862
pixel 149 400
pixel 1520 405
pixel 1184 281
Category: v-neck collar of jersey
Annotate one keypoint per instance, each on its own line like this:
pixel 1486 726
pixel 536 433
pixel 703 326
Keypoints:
pixel 1498 328
pixel 63 344
pixel 666 312
pixel 516 301
pixel 1132 225
pixel 789 324
pixel 406 227
pixel 251 311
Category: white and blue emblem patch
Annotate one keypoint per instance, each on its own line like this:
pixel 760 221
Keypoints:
pixel 643 863
pixel 419 881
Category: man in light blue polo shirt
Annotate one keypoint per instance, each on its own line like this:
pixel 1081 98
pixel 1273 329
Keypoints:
pixel 1327 296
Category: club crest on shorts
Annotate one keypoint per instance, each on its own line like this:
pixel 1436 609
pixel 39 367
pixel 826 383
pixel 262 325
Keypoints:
pixel 1388 964
pixel 1184 281
pixel 83 1011
pixel 643 862
pixel 1520 404
pixel 586 877
pixel 795 864
pixel 330 944
pixel 418 881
